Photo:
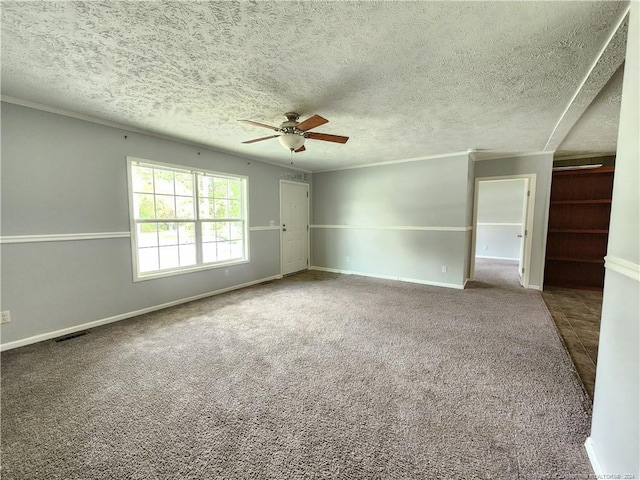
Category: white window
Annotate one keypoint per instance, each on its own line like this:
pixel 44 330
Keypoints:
pixel 184 219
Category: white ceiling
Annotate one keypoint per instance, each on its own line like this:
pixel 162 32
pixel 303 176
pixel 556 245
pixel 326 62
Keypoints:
pixel 402 79
pixel 597 129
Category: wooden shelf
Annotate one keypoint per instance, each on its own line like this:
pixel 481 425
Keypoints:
pixel 576 259
pixel 579 211
pixel 579 231
pixel 583 171
pixel 581 202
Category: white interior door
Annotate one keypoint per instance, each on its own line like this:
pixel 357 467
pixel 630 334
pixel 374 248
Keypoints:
pixel 294 218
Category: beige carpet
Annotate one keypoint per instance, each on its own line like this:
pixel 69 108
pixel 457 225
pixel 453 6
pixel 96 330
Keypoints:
pixel 313 376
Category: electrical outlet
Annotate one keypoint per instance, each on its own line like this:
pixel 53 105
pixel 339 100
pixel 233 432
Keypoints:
pixel 226 272
pixel 486 248
pixel 6 317
pixel 444 269
pixel 348 259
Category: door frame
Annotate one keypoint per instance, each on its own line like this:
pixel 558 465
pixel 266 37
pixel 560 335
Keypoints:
pixel 308 222
pixel 528 239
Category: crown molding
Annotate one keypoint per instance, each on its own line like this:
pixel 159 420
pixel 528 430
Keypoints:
pixel 99 121
pixel 500 156
pixel 395 162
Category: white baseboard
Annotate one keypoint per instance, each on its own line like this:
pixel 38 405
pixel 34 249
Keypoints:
pixel 497 258
pixel 535 287
pixel 593 458
pixel 76 328
pixel 389 277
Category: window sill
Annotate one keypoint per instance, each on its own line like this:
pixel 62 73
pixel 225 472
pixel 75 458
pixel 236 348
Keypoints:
pixel 181 271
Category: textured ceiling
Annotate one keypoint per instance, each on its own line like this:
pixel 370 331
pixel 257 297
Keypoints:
pixel 402 79
pixel 597 129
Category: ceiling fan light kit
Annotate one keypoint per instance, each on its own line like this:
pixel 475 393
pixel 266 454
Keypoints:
pixel 291 141
pixel 293 133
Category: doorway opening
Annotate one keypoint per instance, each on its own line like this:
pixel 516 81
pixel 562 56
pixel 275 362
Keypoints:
pixel 503 221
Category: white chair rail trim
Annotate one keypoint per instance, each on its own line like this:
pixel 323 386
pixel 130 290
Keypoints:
pixel 66 237
pixel 395 227
pixel 622 266
pixel 62 237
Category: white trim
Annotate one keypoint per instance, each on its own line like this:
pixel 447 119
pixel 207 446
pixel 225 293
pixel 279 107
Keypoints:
pixel 305 184
pixel 62 237
pixel 145 162
pixel 200 265
pixel 130 129
pixel 530 202
pixel 501 156
pixel 593 458
pixel 264 227
pixel 65 331
pixel 395 162
pixel 88 118
pixel 496 224
pixel 535 287
pixel 622 266
pixel 394 227
pixel 497 258
pixel 388 277
pixel 191 269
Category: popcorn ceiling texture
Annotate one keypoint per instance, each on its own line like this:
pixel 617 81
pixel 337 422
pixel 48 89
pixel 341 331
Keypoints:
pixel 597 129
pixel 402 79
pixel 602 71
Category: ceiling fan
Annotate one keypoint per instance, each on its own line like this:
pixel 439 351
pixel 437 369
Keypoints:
pixel 292 134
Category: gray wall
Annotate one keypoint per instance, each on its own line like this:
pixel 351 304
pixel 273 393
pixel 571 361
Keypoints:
pixel 66 176
pixel 541 165
pixel 500 205
pixel 404 220
pixel 615 431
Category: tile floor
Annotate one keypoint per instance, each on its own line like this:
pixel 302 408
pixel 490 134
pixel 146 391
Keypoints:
pixel 577 315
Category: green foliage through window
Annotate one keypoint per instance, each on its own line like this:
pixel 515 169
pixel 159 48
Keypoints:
pixel 185 219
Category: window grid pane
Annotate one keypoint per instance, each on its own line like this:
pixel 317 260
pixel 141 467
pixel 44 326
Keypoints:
pixel 169 196
pixel 222 241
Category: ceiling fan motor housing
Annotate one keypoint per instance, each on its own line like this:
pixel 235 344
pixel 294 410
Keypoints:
pixel 292 138
pixel 292 133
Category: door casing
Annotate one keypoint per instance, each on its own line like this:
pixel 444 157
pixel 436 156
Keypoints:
pixel 527 222
pixel 282 243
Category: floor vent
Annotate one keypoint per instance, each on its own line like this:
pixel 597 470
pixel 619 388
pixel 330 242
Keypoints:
pixel 64 338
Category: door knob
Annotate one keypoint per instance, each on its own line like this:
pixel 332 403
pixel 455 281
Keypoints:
pixel 284 227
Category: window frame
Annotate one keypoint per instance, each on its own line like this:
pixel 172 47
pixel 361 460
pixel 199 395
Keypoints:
pixel 195 172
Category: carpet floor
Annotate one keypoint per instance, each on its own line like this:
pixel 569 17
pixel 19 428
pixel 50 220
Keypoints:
pixel 313 376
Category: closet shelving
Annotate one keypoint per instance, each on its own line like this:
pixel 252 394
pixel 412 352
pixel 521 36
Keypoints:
pixel 578 227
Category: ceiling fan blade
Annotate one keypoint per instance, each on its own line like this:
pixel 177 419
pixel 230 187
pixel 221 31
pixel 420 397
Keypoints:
pixel 326 137
pixel 260 139
pixel 312 122
pixel 260 124
pixel 301 149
